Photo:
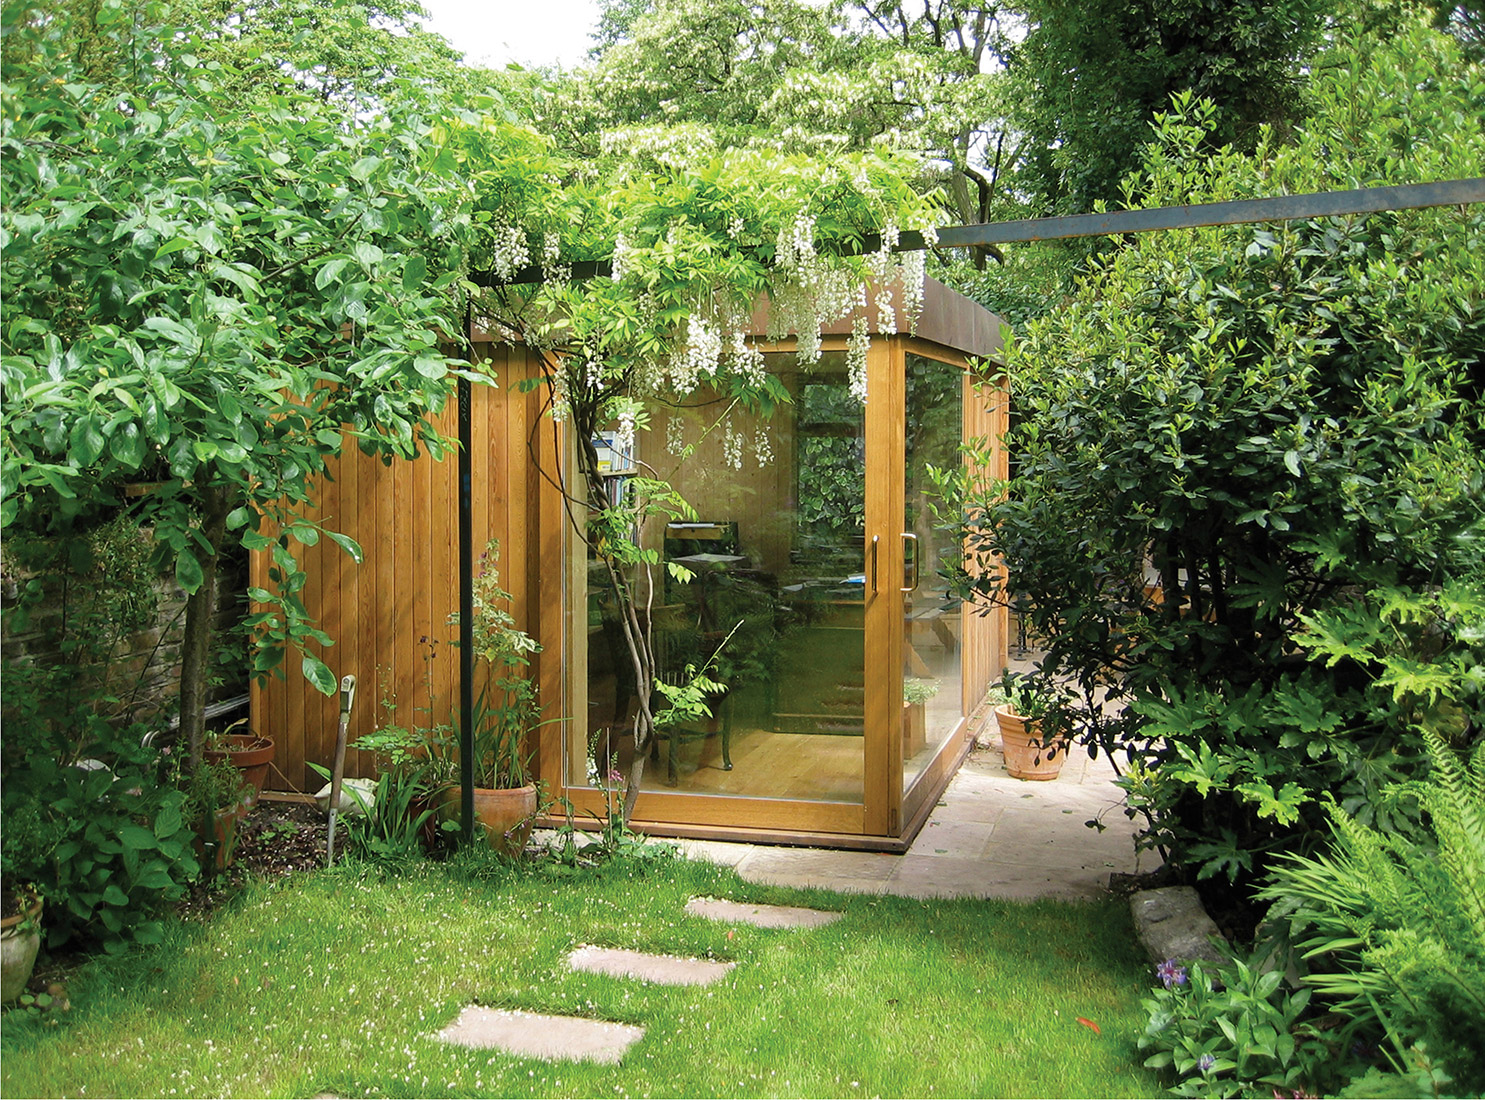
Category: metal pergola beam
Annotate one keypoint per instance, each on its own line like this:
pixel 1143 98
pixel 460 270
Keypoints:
pixel 1323 204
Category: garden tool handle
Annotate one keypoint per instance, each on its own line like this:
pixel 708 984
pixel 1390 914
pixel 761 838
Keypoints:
pixel 337 773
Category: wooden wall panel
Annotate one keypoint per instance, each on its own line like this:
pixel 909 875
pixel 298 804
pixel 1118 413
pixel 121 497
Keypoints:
pixel 384 613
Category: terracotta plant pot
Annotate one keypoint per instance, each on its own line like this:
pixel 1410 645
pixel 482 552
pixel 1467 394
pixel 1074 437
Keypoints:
pixel 18 950
pixel 1025 756
pixel 247 752
pixel 224 824
pixel 914 728
pixel 505 816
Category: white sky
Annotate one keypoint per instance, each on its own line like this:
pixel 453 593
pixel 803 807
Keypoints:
pixel 495 33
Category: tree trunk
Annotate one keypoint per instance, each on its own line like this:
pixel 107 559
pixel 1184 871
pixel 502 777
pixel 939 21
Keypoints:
pixel 201 607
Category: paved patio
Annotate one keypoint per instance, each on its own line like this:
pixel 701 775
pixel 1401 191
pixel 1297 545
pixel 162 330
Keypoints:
pixel 990 836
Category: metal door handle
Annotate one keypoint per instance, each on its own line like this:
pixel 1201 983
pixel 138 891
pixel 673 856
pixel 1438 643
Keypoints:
pixel 875 542
pixel 906 538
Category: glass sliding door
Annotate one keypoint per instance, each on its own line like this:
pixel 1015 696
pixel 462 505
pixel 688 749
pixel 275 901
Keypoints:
pixel 932 619
pixel 762 587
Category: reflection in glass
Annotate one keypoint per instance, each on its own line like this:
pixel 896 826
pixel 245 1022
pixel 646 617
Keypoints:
pixel 933 705
pixel 773 603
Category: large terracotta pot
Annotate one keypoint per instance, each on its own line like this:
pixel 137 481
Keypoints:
pixel 18 950
pixel 505 816
pixel 249 753
pixel 1025 756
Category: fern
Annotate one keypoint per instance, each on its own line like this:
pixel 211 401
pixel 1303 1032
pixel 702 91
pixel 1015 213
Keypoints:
pixel 1393 931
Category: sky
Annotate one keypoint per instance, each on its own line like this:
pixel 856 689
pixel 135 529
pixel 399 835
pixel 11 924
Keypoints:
pixel 496 33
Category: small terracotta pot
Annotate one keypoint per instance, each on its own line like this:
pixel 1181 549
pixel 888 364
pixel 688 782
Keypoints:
pixel 18 950
pixel 1025 756
pixel 249 753
pixel 506 816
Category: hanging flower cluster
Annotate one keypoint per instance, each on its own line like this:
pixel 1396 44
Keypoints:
pixel 856 349
pixel 508 251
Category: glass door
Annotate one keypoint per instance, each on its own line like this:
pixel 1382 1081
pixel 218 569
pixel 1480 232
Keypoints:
pixel 761 585
pixel 932 620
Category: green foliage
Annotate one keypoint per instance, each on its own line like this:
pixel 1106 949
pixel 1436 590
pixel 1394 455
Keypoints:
pixel 389 833
pixel 1392 929
pixel 504 728
pixel 1091 77
pixel 109 846
pixel 212 290
pixel 1246 514
pixel 1234 1032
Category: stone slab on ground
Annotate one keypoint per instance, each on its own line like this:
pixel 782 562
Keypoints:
pixel 660 969
pixel 1171 923
pixel 532 1035
pixel 763 916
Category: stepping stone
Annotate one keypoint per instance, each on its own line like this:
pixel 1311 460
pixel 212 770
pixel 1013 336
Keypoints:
pixel 531 1035
pixel 661 969
pixel 763 916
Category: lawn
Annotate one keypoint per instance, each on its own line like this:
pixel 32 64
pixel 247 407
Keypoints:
pixel 335 982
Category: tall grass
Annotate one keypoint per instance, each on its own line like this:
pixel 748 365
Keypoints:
pixel 337 981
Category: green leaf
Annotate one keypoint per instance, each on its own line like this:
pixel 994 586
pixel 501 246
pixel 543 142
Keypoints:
pixel 348 544
pixel 167 821
pixel 188 572
pixel 136 838
pixel 330 272
pixel 429 367
pixel 319 674
pixel 414 273
pixel 127 445
pixel 87 441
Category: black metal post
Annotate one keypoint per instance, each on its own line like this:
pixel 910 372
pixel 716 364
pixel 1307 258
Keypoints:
pixel 466 613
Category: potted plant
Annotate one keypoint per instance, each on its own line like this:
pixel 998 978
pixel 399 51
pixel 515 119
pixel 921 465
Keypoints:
pixel 23 848
pixel 218 796
pixel 250 753
pixel 506 712
pixel 20 939
pixel 915 693
pixel 1033 748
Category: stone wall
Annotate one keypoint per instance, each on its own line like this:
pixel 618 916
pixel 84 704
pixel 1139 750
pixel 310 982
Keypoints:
pixel 142 665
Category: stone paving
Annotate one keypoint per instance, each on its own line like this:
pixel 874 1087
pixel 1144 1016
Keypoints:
pixel 618 962
pixel 990 836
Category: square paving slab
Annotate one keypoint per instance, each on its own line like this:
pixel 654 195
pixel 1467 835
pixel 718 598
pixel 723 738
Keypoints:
pixel 763 916
pixel 661 969
pixel 531 1035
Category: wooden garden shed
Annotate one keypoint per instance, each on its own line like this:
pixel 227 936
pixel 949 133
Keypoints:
pixel 852 676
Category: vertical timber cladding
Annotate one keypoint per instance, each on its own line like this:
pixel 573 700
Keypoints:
pixel 389 615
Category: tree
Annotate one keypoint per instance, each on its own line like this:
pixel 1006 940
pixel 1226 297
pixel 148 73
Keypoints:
pixel 1090 78
pixel 694 77
pixel 205 292
pixel 1251 456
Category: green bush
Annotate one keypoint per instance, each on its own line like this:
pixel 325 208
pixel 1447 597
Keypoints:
pixel 1392 931
pixel 1232 443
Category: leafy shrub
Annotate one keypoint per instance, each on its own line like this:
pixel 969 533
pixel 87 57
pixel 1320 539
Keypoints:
pixel 1231 443
pixel 1237 1032
pixel 115 844
pixel 1393 930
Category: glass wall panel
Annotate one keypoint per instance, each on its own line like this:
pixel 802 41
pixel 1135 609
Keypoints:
pixel 770 602
pixel 932 617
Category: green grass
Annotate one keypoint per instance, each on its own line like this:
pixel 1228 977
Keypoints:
pixel 336 981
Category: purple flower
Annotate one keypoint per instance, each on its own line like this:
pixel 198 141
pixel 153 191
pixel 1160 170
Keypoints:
pixel 1171 973
pixel 1205 1063
pixel 616 778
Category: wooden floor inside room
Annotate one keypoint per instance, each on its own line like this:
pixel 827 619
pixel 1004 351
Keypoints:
pixel 765 764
